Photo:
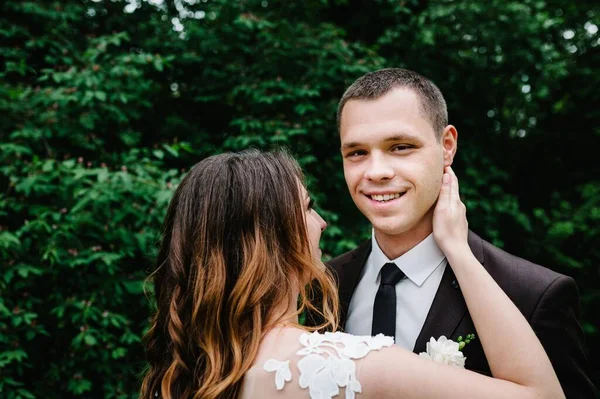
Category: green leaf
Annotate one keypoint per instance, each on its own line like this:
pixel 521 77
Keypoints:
pixel 25 270
pixel 25 393
pixel 90 340
pixel 158 64
pixel 79 386
pixel 171 150
pixel 134 287
pixel 8 240
pixel 118 353
pixel 17 355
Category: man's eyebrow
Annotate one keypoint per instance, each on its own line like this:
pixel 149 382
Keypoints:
pixel 398 136
pixel 350 145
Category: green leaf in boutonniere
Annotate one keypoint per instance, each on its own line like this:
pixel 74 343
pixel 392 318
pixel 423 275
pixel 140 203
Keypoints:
pixel 462 342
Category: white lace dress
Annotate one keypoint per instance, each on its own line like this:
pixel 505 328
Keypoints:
pixel 297 364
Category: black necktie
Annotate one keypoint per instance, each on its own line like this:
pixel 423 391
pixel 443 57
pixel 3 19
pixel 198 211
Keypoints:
pixel 384 308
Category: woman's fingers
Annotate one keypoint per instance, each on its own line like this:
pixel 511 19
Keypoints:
pixel 445 191
pixel 455 193
pixel 455 188
pixel 456 202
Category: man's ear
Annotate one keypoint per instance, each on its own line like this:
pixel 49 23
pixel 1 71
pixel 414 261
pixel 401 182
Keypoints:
pixel 449 142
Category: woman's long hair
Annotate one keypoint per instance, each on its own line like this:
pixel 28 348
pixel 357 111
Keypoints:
pixel 234 247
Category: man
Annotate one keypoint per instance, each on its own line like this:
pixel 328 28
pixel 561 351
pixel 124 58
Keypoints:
pixel 395 143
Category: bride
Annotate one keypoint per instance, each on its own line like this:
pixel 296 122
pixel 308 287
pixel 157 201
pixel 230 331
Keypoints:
pixel 238 263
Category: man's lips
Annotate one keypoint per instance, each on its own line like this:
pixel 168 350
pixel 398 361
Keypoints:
pixel 383 197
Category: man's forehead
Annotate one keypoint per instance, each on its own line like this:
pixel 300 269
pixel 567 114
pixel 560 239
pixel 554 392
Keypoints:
pixel 402 95
pixel 382 125
pixel 397 104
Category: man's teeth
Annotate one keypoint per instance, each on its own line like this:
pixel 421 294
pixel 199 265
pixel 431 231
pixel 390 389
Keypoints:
pixel 385 197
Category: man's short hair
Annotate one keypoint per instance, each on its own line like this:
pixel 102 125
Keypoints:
pixel 374 85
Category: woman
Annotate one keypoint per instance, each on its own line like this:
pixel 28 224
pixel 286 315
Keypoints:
pixel 240 253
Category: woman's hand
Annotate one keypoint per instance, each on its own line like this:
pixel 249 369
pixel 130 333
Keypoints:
pixel 450 226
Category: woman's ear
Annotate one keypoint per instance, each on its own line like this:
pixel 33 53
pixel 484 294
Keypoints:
pixel 449 141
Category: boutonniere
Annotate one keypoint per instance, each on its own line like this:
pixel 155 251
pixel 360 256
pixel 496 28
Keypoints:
pixel 446 351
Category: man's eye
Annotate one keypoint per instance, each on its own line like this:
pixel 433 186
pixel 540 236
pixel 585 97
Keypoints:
pixel 355 153
pixel 402 147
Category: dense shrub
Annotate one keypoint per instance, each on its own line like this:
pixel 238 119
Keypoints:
pixel 105 104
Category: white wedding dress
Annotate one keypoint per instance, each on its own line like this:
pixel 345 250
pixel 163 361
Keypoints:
pixel 294 364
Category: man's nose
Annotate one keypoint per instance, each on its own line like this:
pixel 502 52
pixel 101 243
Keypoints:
pixel 379 169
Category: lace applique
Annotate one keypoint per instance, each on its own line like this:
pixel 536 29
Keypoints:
pixel 324 375
pixel 282 372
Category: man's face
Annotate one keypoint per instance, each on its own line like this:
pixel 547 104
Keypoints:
pixel 393 163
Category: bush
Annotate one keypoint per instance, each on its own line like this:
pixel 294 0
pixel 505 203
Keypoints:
pixel 106 104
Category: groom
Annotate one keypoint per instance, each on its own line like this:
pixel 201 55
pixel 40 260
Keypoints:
pixel 395 143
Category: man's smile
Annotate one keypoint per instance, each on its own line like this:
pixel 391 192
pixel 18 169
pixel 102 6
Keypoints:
pixel 385 198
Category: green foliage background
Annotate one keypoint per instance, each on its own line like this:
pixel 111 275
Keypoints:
pixel 105 104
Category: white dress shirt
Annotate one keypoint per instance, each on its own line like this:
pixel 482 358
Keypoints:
pixel 423 266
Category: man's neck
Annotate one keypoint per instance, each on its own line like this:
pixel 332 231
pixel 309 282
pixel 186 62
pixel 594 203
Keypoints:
pixel 394 246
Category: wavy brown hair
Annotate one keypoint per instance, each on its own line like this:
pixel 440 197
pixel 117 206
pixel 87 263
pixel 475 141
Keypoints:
pixel 234 246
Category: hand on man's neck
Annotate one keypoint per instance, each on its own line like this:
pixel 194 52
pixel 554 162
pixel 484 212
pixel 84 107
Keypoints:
pixel 394 246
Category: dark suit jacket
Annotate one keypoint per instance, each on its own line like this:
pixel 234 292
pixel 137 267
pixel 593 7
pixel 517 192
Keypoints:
pixel 548 300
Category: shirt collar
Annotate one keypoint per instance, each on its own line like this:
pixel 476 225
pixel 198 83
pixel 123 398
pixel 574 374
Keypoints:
pixel 417 264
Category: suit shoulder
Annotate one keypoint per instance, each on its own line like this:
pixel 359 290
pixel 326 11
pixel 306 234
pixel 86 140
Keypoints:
pixel 525 282
pixel 517 276
pixel 514 264
pixel 341 259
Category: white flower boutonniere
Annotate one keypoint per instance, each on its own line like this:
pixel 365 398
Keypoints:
pixel 446 351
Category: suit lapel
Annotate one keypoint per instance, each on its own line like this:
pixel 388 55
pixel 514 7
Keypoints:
pixel 448 307
pixel 446 311
pixel 349 274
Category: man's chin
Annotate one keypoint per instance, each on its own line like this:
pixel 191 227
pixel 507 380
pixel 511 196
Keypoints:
pixel 391 229
pixel 409 229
